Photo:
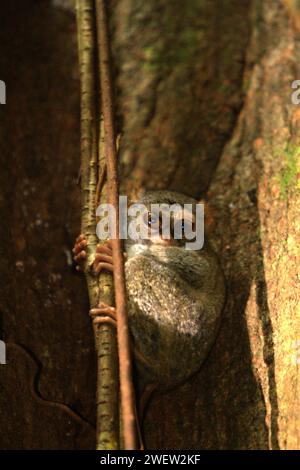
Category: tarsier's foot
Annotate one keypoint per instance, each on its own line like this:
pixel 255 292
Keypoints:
pixel 79 251
pixel 104 314
pixel 103 258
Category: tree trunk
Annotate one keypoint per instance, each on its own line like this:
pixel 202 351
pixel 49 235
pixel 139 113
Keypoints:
pixel 203 93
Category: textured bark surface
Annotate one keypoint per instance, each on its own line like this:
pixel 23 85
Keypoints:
pixel 179 67
pixel 204 107
pixel 247 394
pixel 43 302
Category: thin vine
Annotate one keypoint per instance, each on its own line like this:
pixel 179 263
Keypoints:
pixel 92 167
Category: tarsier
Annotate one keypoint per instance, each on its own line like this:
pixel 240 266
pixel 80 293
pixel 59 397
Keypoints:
pixel 174 299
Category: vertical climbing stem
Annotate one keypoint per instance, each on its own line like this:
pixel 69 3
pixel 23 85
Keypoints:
pixel 93 167
pixel 125 367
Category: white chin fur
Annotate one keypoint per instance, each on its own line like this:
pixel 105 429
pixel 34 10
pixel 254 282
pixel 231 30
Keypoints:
pixel 136 249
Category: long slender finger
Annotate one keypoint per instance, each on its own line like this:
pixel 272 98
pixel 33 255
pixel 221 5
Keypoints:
pixel 109 243
pixel 101 320
pixel 104 314
pixel 103 249
pixel 100 266
pixel 81 256
pixel 79 246
pixel 82 244
pixel 110 311
pixel 106 309
pixel 102 257
pixel 80 238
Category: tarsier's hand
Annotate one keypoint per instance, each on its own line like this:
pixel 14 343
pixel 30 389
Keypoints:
pixel 79 252
pixel 103 256
pixel 103 260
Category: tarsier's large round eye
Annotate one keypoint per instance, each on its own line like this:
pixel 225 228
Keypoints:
pixel 152 219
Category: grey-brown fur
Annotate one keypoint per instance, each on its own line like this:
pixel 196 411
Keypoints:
pixel 175 299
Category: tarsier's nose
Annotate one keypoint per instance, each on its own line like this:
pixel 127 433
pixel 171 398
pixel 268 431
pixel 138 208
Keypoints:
pixel 161 240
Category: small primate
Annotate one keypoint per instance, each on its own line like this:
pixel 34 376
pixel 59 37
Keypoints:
pixel 174 299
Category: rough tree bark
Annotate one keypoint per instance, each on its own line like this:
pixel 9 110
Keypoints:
pixel 47 388
pixel 204 107
pixel 93 183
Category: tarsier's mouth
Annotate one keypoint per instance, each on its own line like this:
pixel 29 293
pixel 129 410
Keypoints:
pixel 160 240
